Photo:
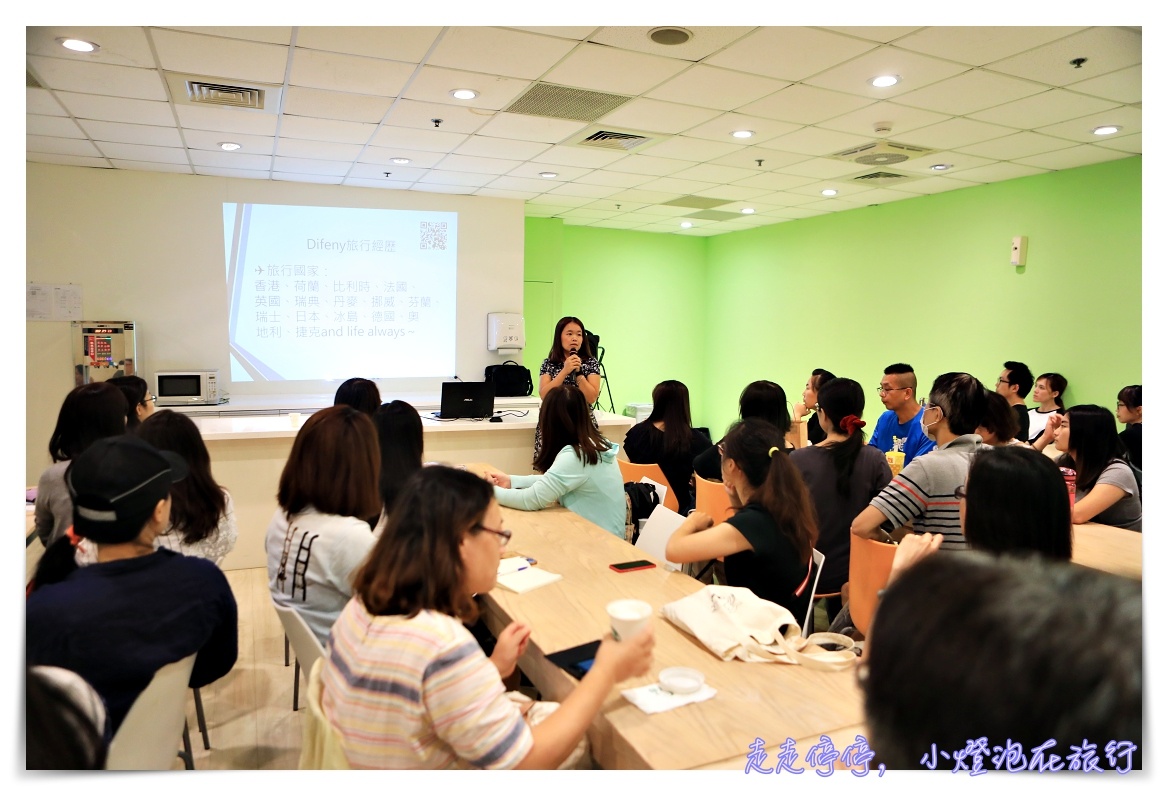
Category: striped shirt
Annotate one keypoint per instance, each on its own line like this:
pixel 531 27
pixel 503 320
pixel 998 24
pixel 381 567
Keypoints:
pixel 924 493
pixel 417 693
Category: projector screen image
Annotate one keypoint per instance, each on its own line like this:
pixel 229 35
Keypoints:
pixel 327 293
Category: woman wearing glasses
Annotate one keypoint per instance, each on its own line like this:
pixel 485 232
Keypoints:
pixel 139 401
pixel 578 465
pixel 406 686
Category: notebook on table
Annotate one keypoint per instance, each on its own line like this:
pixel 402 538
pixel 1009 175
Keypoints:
pixel 466 400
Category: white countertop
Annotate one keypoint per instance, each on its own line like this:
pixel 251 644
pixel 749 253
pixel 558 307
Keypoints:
pixel 307 403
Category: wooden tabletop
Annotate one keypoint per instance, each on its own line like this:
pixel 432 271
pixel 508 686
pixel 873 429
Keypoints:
pixel 1112 549
pixel 770 701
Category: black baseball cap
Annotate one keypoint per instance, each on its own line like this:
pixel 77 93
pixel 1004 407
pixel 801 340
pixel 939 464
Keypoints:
pixel 115 485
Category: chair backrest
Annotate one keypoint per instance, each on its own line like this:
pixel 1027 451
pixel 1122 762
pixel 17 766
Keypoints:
pixel 808 623
pixel 713 499
pixel 632 473
pixel 323 746
pixel 149 736
pixel 870 567
pixel 304 642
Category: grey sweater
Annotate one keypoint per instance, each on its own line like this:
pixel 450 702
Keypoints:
pixel 54 506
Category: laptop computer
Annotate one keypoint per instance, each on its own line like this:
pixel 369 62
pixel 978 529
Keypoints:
pixel 466 400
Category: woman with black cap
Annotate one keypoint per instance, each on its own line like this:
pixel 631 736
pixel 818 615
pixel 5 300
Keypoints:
pixel 136 609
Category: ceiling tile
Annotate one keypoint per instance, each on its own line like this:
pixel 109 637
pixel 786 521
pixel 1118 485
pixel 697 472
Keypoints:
pixel 588 191
pixel 1130 143
pixel 915 71
pixel 883 35
pixel 968 92
pixel 251 144
pixel 788 53
pixel 123 46
pixel 133 111
pixel 651 198
pixel 816 141
pixel 997 172
pixel 698 150
pixel 900 117
pixel 464 190
pixel 958 161
pixel 718 174
pixel 938 185
pixel 977 46
pixel 151 154
pixel 132 133
pixel 67 160
pixel 269 34
pixel 142 165
pixel 719 129
pixel 344 132
pixel 236 120
pixel 1105 50
pixel 434 84
pixel 1049 107
pixel 314 150
pixel 579 156
pixel 231 160
pixel 1074 157
pixel 478 165
pixel 409 113
pixel 749 157
pixel 530 128
pixel 395 43
pixel 296 176
pixel 439 177
pixel 430 140
pixel 384 184
pixel 485 146
pixel 647 164
pixel 523 184
pixel 396 173
pixel 823 168
pixel 655 116
pixel 52 126
pixel 237 173
pixel 1125 85
pixel 710 87
pixel 561 203
pixel 505 194
pixel 1082 129
pixel 704 42
pixel 335 105
pixel 509 53
pixel 775 181
pixel 732 192
pixel 613 71
pixel 954 134
pixel 803 104
pixel 41 102
pixel 300 165
pixel 355 73
pixel 579 32
pixel 532 170
pixel 613 179
pixel 61 74
pixel 848 192
pixel 383 156
pixel 60 146
pixel 1011 147
pixel 590 214
pixel 213 56
pixel 786 199
pixel 674 185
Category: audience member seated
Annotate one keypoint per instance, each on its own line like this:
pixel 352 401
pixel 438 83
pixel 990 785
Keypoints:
pixel 88 413
pixel 399 433
pixel 1047 391
pixel 202 516
pixel 1025 653
pixel 360 393
pixel 137 608
pixel 65 721
pixel 924 493
pixel 814 431
pixel 1016 501
pixel 998 427
pixel 406 686
pixel 1108 491
pixel 764 400
pixel 767 543
pixel 667 438
pixel 139 401
pixel 1014 384
pixel 1130 412
pixel 319 534
pixel 843 474
pixel 898 428
pixel 578 465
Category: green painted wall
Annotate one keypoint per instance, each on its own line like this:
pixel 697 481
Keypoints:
pixel 925 280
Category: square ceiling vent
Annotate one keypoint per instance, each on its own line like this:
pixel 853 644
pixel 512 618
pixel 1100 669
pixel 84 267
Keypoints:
pixel 216 91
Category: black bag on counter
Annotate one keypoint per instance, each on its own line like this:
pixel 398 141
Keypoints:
pixel 510 379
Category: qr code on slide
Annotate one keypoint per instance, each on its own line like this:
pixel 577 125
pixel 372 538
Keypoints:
pixel 433 235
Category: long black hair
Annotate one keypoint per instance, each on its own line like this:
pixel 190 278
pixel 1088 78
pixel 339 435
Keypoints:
pixel 670 405
pixel 1017 502
pixel 1094 443
pixel 88 413
pixel 400 435
pixel 197 501
pixel 842 399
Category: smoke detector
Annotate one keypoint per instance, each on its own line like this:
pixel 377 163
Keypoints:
pixel 881 153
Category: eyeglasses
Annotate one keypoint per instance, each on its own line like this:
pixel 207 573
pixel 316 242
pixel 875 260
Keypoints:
pixel 721 448
pixel 960 492
pixel 149 399
pixel 883 390
pixel 1003 381
pixel 504 536
pixel 925 405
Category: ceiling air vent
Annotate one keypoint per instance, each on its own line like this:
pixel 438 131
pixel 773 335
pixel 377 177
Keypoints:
pixel 698 202
pixel 881 153
pixel 883 178
pixel 198 90
pixel 30 81
pixel 561 102
pixel 598 136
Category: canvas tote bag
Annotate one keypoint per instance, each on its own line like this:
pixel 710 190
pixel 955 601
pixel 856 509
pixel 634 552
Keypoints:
pixel 734 623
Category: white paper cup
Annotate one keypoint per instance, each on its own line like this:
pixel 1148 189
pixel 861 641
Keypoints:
pixel 628 617
pixel 294 418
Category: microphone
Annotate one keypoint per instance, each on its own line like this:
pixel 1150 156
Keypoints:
pixel 572 375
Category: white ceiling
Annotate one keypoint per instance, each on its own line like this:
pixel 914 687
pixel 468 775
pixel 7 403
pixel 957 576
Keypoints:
pixel 994 102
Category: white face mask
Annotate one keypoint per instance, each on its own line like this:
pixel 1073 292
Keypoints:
pixel 926 426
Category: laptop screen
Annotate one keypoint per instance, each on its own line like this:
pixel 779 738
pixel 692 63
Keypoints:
pixel 467 400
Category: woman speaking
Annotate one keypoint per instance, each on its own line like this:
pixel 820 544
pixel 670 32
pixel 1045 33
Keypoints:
pixel 571 362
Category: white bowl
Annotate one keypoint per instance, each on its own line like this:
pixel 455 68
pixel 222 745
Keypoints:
pixel 681 681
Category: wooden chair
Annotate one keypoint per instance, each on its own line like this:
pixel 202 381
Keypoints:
pixel 304 643
pixel 632 473
pixel 147 738
pixel 713 499
pixel 870 567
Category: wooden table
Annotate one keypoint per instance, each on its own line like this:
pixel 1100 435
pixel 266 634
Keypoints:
pixel 770 701
pixel 1107 548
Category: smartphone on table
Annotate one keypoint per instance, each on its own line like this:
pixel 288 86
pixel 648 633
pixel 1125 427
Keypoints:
pixel 632 565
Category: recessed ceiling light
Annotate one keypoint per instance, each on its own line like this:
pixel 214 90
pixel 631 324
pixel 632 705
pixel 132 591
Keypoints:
pixel 743 133
pixel 884 81
pixel 686 224
pixel 463 93
pixel 941 166
pixel 830 192
pixel 78 45
pixel 748 210
pixel 229 146
pixel 548 174
pixel 1108 129
pixel 401 161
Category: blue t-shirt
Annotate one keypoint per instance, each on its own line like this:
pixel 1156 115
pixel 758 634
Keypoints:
pixel 889 430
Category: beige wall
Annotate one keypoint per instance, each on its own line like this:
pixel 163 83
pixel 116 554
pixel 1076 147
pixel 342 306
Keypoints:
pixel 148 247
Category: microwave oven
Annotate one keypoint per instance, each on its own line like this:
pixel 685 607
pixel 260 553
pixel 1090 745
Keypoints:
pixel 187 387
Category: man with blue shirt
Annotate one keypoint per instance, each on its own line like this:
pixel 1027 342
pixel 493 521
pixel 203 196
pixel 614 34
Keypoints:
pixel 898 428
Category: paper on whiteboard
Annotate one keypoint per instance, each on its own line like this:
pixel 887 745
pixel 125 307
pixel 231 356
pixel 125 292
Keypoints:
pixel 661 490
pixel 52 301
pixel 655 534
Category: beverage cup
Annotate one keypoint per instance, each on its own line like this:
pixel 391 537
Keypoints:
pixel 895 460
pixel 628 617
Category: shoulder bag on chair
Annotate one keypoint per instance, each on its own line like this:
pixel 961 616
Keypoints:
pixel 736 623
pixel 510 379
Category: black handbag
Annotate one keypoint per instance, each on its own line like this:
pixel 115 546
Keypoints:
pixel 510 379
